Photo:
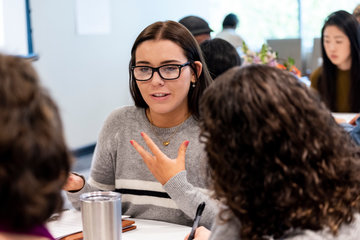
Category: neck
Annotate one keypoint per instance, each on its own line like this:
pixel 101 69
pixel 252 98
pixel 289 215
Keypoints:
pixel 167 120
pixel 345 66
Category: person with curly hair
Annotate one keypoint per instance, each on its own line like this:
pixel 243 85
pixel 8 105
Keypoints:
pixel 34 158
pixel 279 163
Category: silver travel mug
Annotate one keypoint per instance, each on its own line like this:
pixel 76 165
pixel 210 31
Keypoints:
pixel 101 215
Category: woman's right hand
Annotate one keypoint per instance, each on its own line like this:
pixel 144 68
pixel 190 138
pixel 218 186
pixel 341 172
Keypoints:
pixel 74 183
pixel 201 233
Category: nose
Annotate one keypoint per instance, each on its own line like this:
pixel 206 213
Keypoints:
pixel 156 79
pixel 332 47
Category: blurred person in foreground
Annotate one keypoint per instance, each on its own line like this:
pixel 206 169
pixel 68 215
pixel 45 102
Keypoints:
pixel 34 159
pixel 279 163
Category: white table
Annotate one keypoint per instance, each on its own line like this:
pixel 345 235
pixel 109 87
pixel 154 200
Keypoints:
pixel 70 222
pixel 346 116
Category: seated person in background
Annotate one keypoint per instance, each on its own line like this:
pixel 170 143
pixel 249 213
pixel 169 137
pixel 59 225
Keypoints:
pixel 219 56
pixel 167 78
pixel 338 80
pixel 198 27
pixel 279 163
pixel 34 159
pixel 229 34
pixel 353 127
pixel 356 13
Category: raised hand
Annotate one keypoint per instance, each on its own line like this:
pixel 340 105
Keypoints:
pixel 162 167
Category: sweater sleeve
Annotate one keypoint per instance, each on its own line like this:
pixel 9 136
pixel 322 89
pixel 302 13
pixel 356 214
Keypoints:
pixel 74 197
pixel 102 168
pixel 187 197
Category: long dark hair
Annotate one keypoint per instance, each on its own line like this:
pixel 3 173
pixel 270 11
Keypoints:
pixel 348 24
pixel 180 35
pixel 276 156
pixel 34 158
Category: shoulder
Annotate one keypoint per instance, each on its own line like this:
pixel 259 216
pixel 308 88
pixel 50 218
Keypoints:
pixel 126 113
pixel 349 231
pixel 121 118
pixel 314 77
pixel 225 230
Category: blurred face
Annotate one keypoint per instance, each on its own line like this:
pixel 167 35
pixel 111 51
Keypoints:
pixel 202 37
pixel 165 96
pixel 337 47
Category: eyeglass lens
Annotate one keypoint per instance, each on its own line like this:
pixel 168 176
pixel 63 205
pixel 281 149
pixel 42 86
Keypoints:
pixel 167 72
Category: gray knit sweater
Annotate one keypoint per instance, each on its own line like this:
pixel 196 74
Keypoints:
pixel 230 231
pixel 117 166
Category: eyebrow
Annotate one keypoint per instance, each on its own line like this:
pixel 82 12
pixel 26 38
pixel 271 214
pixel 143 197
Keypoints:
pixel 336 37
pixel 172 61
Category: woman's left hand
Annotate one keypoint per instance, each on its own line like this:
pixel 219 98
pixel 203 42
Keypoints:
pixel 162 167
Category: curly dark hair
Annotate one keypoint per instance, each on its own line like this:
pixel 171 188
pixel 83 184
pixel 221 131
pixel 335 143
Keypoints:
pixel 276 156
pixel 34 159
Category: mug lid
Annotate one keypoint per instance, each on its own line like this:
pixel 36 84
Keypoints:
pixel 100 196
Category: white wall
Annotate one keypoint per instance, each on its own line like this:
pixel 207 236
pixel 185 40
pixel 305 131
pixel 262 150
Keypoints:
pixel 88 75
pixel 13 31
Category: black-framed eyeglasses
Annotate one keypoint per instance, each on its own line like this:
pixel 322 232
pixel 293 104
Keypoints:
pixel 166 72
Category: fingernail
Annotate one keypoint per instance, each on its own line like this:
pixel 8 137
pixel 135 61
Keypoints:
pixel 186 143
pixel 132 142
pixel 142 134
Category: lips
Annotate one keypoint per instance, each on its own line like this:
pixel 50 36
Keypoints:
pixel 160 96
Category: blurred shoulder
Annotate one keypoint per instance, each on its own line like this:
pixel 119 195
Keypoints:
pixel 314 77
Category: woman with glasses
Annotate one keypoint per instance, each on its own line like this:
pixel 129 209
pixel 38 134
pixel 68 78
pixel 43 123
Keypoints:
pixel 167 78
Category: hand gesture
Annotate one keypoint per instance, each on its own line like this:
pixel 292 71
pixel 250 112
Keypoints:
pixel 162 167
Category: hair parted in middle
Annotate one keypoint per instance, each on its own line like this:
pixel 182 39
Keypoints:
pixel 348 24
pixel 276 156
pixel 180 35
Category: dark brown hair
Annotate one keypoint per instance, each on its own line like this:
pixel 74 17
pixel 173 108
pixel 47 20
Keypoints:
pixel 276 156
pixel 178 34
pixel 220 56
pixel 348 24
pixel 34 159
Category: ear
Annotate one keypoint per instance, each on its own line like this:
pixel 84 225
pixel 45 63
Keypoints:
pixel 198 66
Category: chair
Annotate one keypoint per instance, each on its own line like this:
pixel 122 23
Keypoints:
pixel 290 47
pixel 316 58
